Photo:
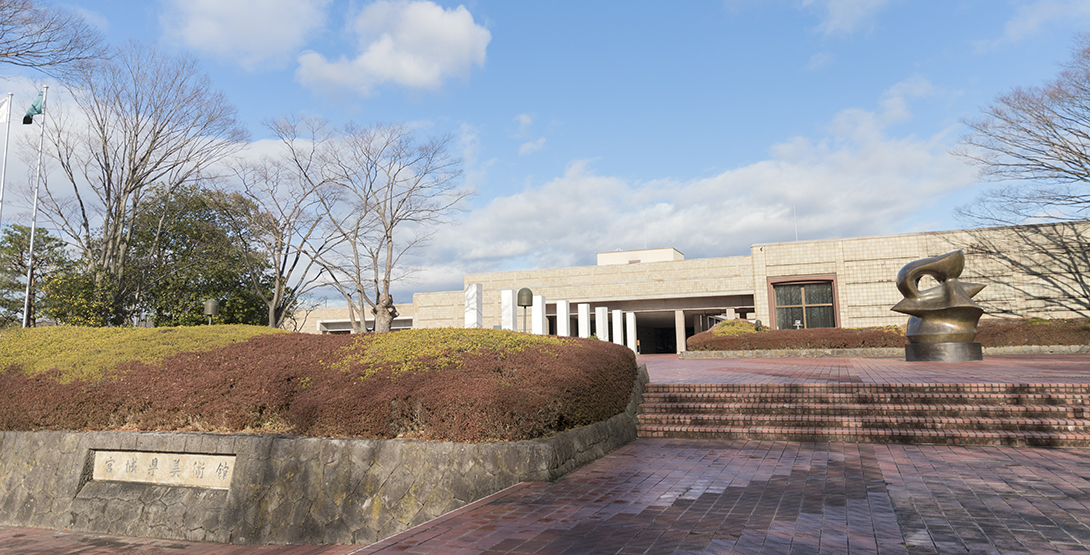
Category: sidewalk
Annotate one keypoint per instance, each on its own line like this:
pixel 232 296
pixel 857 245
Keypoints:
pixel 712 496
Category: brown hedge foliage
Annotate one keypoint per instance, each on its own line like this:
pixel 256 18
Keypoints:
pixel 815 338
pixel 279 384
pixel 1033 331
pixel 992 332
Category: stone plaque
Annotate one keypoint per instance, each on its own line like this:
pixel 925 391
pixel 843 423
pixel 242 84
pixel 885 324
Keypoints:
pixel 165 469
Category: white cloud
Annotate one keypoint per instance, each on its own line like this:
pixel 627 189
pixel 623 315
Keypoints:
pixel 93 18
pixel 255 33
pixel 476 171
pixel 818 61
pixel 23 146
pixel 856 180
pixel 531 147
pixel 416 44
pixel 1029 20
pixel 846 16
pixel 525 121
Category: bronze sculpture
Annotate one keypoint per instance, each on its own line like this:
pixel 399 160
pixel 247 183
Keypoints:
pixel 943 319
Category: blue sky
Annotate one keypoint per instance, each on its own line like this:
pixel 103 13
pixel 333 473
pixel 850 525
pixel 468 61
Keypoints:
pixel 594 126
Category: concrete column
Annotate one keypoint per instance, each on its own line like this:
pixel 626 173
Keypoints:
pixel 563 318
pixel 732 314
pixel 601 323
pixel 474 305
pixel 618 327
pixel 539 323
pixel 698 323
pixel 679 329
pixel 630 330
pixel 509 317
pixel 584 320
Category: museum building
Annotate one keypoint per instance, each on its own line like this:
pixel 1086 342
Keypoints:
pixel 652 299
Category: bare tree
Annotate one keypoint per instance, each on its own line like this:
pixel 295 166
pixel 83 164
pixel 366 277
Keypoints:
pixel 1038 140
pixel 53 41
pixel 390 192
pixel 1045 267
pixel 143 118
pixel 1038 137
pixel 285 230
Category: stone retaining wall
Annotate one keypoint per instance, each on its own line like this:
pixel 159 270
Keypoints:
pixel 885 352
pixel 282 489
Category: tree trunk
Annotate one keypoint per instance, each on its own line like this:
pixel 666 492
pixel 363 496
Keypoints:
pixel 385 312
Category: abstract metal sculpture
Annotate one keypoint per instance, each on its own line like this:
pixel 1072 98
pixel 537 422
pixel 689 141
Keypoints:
pixel 943 319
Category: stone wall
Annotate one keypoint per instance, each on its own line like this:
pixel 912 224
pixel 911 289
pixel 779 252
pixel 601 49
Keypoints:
pixel 1037 270
pixel 1029 270
pixel 439 310
pixel 283 489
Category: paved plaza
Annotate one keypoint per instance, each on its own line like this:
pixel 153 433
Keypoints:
pixel 685 496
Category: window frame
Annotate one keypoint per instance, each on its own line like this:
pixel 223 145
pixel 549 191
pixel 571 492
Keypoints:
pixel 802 280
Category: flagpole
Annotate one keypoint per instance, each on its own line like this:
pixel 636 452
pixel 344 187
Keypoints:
pixel 4 166
pixel 34 213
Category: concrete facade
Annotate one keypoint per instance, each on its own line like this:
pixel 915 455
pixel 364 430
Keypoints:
pixel 1028 270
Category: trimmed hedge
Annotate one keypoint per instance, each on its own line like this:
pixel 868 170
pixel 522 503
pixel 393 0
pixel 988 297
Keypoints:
pixel 472 391
pixel 992 332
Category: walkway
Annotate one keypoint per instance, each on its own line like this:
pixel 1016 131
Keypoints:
pixel 711 496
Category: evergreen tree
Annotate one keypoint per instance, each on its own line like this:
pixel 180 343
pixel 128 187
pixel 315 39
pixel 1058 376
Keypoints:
pixel 50 259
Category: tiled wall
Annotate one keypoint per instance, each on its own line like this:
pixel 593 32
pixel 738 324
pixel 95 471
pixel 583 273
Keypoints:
pixel 865 268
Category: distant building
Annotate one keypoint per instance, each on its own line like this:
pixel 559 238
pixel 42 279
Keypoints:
pixel 1029 271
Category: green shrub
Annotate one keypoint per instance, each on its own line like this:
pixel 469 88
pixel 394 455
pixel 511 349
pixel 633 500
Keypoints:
pixel 734 327
pixel 433 348
pixel 89 354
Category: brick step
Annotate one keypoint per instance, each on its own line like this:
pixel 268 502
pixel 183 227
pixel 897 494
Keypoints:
pixel 1032 389
pixel 936 398
pixel 890 409
pixel 1052 415
pixel 867 422
pixel 869 435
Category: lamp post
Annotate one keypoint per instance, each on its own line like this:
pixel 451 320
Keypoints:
pixel 211 308
pixel 525 299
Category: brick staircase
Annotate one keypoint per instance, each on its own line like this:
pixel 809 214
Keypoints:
pixel 1040 415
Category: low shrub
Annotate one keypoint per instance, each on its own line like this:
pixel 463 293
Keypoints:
pixel 733 327
pixel 991 332
pixel 998 332
pixel 430 349
pixel 815 338
pixel 453 385
pixel 89 354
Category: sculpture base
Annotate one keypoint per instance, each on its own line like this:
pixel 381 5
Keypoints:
pixel 943 352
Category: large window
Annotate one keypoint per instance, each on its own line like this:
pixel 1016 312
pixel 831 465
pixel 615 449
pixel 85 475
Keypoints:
pixel 805 305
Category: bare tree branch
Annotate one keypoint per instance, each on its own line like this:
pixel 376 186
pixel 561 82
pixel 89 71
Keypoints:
pixel 1040 138
pixel 143 119
pixel 287 229
pixel 52 41
pixel 1046 266
pixel 391 192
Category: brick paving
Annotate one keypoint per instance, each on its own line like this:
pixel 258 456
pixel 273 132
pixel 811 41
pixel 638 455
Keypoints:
pixel 1020 369
pixel 687 496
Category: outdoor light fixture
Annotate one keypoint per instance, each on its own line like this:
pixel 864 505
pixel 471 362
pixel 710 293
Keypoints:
pixel 211 308
pixel 525 299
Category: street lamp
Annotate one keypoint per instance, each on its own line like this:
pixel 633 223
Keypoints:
pixel 525 299
pixel 211 308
